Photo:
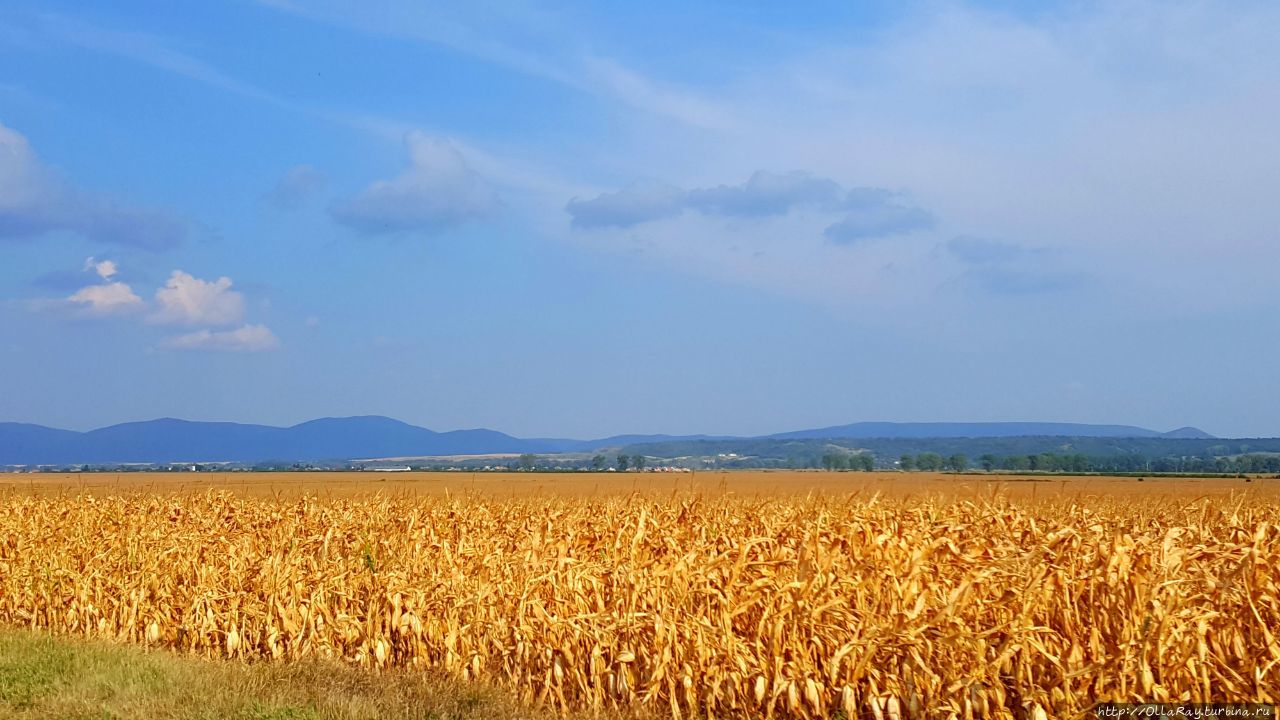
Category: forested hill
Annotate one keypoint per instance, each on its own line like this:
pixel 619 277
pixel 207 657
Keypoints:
pixel 1022 453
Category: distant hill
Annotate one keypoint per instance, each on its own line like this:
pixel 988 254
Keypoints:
pixel 169 440
pixel 982 430
pixel 1188 433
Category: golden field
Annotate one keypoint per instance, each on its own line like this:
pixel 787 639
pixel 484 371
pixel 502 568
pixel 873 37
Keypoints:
pixel 727 595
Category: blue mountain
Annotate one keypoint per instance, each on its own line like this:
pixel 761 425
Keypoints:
pixel 169 440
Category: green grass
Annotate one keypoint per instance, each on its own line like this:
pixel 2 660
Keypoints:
pixel 43 676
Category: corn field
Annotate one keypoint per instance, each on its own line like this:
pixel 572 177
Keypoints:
pixel 788 608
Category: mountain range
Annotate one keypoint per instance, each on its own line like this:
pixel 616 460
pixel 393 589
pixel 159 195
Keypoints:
pixel 168 440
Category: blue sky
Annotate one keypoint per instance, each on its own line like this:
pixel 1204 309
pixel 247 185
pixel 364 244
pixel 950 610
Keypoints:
pixel 586 219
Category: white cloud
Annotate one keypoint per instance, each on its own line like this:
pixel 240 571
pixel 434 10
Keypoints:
pixel 184 300
pixel 104 299
pixel 107 299
pixel 248 338
pixel 188 300
pixel 438 190
pixel 106 269
pixel 35 202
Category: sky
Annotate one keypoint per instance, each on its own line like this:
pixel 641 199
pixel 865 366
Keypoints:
pixel 583 219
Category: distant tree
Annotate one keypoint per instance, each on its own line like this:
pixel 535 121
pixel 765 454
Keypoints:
pixel 833 461
pixel 930 461
pixel 637 461
pixel 623 461
pixel 958 463
pixel 599 462
pixel 906 462
pixel 865 461
pixel 1075 463
pixel 988 462
pixel 527 461
pixel 1044 462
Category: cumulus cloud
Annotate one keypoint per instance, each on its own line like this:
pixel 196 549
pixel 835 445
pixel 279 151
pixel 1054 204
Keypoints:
pixel 109 297
pixel 114 298
pixel 870 212
pixel 247 338
pixel 296 188
pixel 438 190
pixel 35 202
pixel 188 300
pixel 184 300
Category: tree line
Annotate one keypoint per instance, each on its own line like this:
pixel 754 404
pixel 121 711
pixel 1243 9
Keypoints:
pixel 599 463
pixel 864 461
pixel 1258 463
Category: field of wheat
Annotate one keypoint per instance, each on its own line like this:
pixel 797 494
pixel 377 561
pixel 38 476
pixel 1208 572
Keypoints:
pixel 808 607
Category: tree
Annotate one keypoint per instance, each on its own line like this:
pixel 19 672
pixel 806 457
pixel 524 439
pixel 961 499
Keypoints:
pixel 833 461
pixel 906 462
pixel 599 462
pixel 865 461
pixel 637 461
pixel 623 461
pixel 988 462
pixel 958 463
pixel 929 461
pixel 527 461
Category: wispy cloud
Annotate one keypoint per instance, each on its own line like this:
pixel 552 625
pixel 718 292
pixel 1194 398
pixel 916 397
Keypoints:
pixel 868 212
pixel 612 80
pixel 766 193
pixel 880 220
pixel 245 339
pixel 152 50
pixel 34 201
pixel 298 187
pixel 1006 268
pixel 165 54
pixel 537 44
pixel 639 203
